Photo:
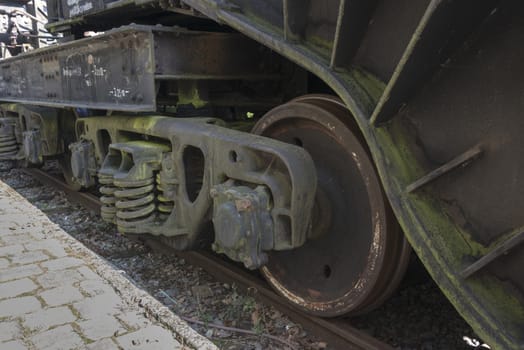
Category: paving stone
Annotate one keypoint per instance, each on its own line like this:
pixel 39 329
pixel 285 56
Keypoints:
pixel 105 304
pixel 95 287
pixel 45 319
pixel 61 263
pixel 59 338
pixel 149 338
pixel 18 306
pixel 13 345
pixel 94 311
pixel 16 287
pixel 133 319
pixel 52 279
pixel 56 252
pixel 101 327
pixel 104 344
pixel 88 273
pixel 11 250
pixel 61 295
pixel 19 272
pixel 19 238
pixel 52 246
pixel 29 257
pixel 9 330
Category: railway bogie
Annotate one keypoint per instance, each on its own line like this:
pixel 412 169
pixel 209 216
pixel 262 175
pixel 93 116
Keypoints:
pixel 317 137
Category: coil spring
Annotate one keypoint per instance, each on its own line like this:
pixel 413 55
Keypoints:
pixel 135 205
pixel 165 205
pixel 8 144
pixel 108 209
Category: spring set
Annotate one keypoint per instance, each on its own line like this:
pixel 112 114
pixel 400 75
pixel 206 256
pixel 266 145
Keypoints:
pixel 135 204
pixel 165 205
pixel 108 209
pixel 8 145
pixel 133 197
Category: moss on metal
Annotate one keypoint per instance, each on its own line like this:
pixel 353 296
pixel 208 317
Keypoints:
pixel 444 248
pixel 189 95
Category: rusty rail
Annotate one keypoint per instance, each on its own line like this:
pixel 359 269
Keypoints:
pixel 339 334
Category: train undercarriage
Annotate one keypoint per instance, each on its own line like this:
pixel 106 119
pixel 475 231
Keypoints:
pixel 312 142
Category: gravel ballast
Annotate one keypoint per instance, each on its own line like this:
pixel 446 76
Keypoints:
pixel 418 316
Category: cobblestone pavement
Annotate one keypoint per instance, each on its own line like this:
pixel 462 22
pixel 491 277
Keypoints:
pixel 57 294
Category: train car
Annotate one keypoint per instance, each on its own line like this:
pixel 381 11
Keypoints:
pixel 318 141
pixel 22 27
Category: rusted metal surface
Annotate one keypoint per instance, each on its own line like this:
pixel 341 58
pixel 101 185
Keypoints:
pixel 34 132
pixel 461 95
pixel 113 69
pixel 339 334
pixel 39 129
pixel 118 70
pixel 356 255
pixel 498 251
pixel 434 78
pixel 461 160
pixel 242 220
pixel 9 146
pixel 430 45
pixel 197 151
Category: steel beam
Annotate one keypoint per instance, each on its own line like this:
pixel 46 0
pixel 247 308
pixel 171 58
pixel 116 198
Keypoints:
pixel 117 70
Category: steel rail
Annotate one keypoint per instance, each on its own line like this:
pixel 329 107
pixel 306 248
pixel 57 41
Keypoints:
pixel 338 333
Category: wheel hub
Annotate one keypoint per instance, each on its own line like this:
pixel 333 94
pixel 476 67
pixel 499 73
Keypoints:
pixel 355 253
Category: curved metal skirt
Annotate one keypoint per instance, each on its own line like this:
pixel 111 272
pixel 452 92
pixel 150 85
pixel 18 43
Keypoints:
pixel 356 255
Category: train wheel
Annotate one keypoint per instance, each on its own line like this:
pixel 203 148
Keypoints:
pixel 357 254
pixel 65 165
pixel 67 127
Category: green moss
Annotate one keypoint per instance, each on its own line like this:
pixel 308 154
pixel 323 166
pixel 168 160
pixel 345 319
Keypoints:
pixel 367 82
pixel 190 96
pixel 9 107
pixel 490 307
pixel 445 248
pixel 507 315
pixel 320 45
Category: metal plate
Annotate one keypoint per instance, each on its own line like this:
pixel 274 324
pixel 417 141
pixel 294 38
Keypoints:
pixel 110 71
pixel 117 70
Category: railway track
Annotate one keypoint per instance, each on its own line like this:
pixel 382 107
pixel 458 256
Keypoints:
pixel 339 334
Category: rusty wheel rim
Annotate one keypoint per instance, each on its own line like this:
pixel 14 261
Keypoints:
pixel 356 255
